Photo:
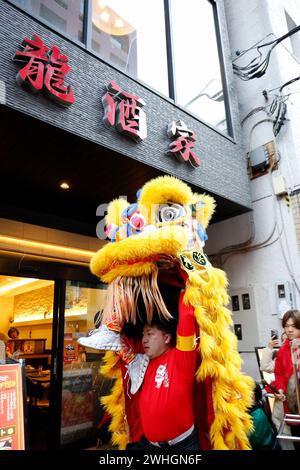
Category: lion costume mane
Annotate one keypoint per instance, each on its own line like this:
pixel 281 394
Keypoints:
pixel 156 231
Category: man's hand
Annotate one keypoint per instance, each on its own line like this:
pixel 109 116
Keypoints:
pixel 273 343
pixel 280 396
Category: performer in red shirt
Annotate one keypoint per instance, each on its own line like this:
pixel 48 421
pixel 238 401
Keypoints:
pixel 166 395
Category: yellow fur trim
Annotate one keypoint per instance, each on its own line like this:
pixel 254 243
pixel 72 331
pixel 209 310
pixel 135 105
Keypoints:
pixel 232 390
pixel 205 214
pixel 185 343
pixel 161 190
pixel 114 403
pixel 134 270
pixel 170 189
pixel 114 210
pixel 126 257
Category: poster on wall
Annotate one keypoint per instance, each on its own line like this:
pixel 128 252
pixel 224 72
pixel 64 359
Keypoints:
pixel 11 408
pixel 70 350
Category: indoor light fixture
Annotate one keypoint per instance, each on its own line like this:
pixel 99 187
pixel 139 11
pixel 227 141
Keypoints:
pixel 110 22
pixel 63 250
pixel 20 283
pixel 64 185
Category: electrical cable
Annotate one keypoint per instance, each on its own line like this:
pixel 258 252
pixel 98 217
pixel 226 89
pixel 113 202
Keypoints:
pixel 254 111
pixel 288 266
pixel 266 244
pixel 239 248
pixel 288 83
pixel 280 118
pixel 278 104
pixel 255 125
pixel 258 66
pixel 240 54
pixel 256 247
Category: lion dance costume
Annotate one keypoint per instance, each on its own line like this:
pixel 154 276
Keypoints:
pixel 161 236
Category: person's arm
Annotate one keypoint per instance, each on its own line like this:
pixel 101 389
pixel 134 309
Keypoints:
pixel 2 350
pixel 266 362
pixel 186 329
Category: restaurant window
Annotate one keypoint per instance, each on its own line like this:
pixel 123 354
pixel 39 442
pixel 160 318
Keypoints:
pixel 130 34
pixel 196 61
pixel 82 382
pixel 65 16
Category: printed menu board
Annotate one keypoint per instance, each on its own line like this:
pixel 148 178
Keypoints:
pixel 11 408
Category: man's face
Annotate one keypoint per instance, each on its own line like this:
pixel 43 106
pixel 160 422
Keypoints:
pixel 155 341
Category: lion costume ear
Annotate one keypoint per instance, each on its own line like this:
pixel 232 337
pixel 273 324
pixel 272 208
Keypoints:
pixel 205 207
pixel 162 190
pixel 114 211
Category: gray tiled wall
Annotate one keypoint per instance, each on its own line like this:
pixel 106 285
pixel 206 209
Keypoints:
pixel 223 168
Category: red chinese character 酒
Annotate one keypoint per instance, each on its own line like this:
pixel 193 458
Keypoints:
pixel 123 110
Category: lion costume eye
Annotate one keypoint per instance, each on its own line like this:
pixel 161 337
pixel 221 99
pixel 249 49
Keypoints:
pixel 170 212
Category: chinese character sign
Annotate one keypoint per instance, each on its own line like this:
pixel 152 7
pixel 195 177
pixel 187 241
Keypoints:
pixel 183 143
pixel 123 111
pixel 44 70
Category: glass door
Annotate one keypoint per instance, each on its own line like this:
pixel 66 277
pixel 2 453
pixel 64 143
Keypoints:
pixel 81 384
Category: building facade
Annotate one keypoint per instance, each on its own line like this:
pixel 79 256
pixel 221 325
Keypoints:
pixel 71 73
pixel 260 250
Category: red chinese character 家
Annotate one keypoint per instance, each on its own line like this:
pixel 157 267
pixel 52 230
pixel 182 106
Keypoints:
pixel 182 146
pixel 124 111
pixel 45 69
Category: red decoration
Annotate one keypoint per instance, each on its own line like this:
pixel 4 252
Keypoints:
pixel 124 111
pixel 45 69
pixel 184 143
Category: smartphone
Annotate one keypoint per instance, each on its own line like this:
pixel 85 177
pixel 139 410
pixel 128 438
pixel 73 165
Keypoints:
pixel 274 334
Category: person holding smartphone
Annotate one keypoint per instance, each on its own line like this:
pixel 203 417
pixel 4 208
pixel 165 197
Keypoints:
pixel 267 364
pixel 283 365
pixel 268 356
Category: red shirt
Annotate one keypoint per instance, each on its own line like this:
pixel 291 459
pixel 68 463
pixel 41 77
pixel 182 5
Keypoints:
pixel 166 397
pixel 283 366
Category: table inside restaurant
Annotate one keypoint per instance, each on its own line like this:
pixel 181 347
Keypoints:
pixel 38 386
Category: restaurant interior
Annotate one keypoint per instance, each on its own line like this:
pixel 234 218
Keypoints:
pixel 27 304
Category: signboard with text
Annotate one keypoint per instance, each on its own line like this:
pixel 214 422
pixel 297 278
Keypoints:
pixel 11 408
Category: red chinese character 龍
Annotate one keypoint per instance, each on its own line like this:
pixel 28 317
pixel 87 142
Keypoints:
pixel 45 69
